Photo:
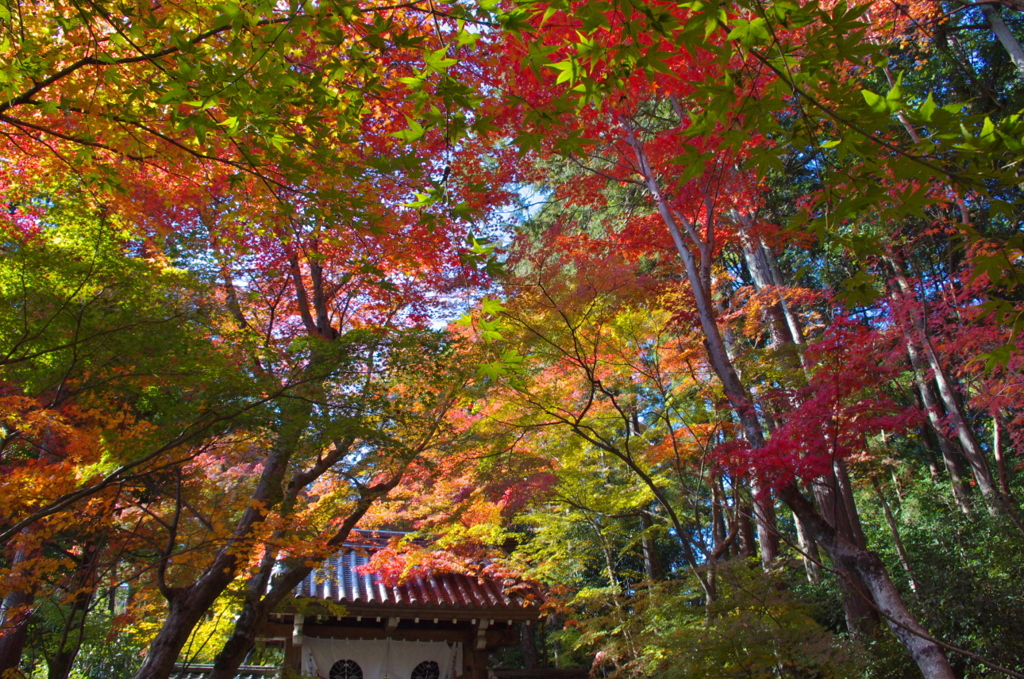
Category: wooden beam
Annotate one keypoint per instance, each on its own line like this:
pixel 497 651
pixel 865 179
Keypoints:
pixel 495 637
pixel 313 606
pixel 542 673
pixel 337 632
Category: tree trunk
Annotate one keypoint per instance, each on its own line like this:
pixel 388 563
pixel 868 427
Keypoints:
pixel 764 517
pixel 187 607
pixel 1003 34
pixel 235 650
pixel 787 336
pixel 763 508
pixel 926 654
pixel 757 264
pixel 718 528
pixel 861 616
pixel 14 629
pixel 254 613
pixel 845 488
pixel 15 614
pixel 950 455
pixel 652 563
pixel 809 549
pixel 930 446
pixel 261 601
pixel 897 541
pixel 997 450
pixel 745 525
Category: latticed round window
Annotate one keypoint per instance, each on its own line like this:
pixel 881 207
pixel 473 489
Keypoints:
pixel 346 669
pixel 428 669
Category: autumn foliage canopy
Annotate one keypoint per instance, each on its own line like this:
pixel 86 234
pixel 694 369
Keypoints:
pixel 704 316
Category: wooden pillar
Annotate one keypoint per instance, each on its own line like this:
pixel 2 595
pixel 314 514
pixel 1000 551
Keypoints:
pixel 292 658
pixel 475 663
pixel 474 660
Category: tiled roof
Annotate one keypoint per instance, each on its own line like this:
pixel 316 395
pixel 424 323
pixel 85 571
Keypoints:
pixel 339 580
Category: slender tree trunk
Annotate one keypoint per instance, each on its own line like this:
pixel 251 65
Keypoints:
pixel 861 613
pixel 729 525
pixel 1003 34
pixel 652 563
pixel 968 441
pixel 931 444
pixel 247 625
pixel 809 549
pixel 842 473
pixel 997 449
pixel 59 667
pixel 745 523
pixel 897 541
pixel 762 510
pixel 788 335
pixel 260 600
pixel 186 608
pixel 14 630
pixel 764 518
pixel 795 327
pixel 757 264
pixel 528 645
pixel 718 531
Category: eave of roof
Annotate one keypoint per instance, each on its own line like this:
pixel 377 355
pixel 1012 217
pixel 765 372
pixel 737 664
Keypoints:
pixel 443 595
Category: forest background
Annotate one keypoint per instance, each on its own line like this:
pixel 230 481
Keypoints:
pixel 705 315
